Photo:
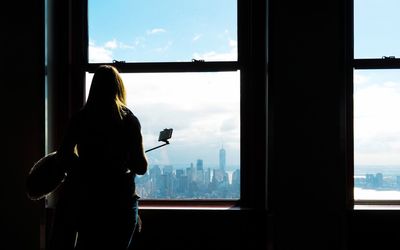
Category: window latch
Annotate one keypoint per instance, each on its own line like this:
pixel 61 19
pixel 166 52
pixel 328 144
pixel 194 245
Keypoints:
pixel 197 61
pixel 118 62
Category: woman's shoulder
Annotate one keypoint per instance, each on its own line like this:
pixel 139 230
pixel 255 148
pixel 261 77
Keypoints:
pixel 130 117
pixel 128 113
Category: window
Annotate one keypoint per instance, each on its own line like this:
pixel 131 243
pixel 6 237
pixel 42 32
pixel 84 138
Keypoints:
pixel 179 63
pixel 162 31
pixel 376 101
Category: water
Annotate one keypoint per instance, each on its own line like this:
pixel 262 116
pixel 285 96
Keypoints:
pixel 372 194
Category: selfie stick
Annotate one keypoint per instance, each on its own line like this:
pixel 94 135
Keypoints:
pixel 164 136
pixel 166 143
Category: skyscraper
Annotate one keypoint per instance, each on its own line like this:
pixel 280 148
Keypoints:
pixel 199 164
pixel 199 172
pixel 222 159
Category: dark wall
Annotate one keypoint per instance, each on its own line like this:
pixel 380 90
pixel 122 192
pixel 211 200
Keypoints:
pixel 307 77
pixel 200 229
pixel 374 229
pixel 22 119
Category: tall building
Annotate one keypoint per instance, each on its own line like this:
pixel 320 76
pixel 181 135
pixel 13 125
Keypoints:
pixel 199 172
pixel 199 164
pixel 191 173
pixel 222 159
pixel 168 169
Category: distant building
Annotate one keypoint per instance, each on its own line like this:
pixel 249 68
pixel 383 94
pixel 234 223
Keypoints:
pixel 168 169
pixel 191 173
pixel 199 164
pixel 207 176
pixel 155 171
pixel 236 178
pixel 218 176
pixel 374 181
pixel 379 180
pixel 199 172
pixel 222 159
pixel 155 178
pixel 181 182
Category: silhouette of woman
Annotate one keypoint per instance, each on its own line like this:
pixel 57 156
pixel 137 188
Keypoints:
pixel 99 200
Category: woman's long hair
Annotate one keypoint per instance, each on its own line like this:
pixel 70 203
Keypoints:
pixel 107 90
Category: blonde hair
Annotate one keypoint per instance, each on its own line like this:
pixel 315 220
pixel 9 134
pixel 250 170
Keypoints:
pixel 107 88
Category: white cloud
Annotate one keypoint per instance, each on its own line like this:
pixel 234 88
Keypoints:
pixel 233 43
pixel 377 123
pixel 163 49
pixel 231 55
pixel 126 46
pixel 155 31
pixel 360 79
pixel 111 44
pixel 99 53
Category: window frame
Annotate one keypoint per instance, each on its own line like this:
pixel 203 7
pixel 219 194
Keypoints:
pixel 385 62
pixel 242 64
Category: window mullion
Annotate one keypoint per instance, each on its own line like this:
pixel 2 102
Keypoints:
pixel 170 67
pixel 389 63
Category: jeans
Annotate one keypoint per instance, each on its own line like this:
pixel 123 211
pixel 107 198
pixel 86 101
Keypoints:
pixel 96 229
pixel 135 221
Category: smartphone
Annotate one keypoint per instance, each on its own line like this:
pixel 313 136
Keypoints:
pixel 165 135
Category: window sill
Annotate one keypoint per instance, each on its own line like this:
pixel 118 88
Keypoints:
pixel 377 205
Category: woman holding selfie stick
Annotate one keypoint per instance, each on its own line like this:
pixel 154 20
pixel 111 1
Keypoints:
pixel 99 206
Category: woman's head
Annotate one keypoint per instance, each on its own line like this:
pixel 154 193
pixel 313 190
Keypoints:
pixel 107 88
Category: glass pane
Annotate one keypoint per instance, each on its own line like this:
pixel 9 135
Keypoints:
pixel 377 134
pixel 376 32
pixel 162 30
pixel 202 160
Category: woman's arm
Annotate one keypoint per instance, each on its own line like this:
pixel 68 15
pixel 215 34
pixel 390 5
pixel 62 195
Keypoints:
pixel 137 160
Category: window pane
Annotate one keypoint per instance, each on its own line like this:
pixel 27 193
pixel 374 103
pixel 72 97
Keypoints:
pixel 376 32
pixel 203 158
pixel 377 134
pixel 162 30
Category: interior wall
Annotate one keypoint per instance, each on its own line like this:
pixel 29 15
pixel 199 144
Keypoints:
pixel 307 77
pixel 22 120
pixel 374 229
pixel 200 229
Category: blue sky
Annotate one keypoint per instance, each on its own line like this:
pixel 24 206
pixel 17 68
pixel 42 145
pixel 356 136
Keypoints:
pixel 202 108
pixel 159 30
pixel 376 31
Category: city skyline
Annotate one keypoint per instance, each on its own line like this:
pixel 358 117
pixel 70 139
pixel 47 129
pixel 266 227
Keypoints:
pixel 196 180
